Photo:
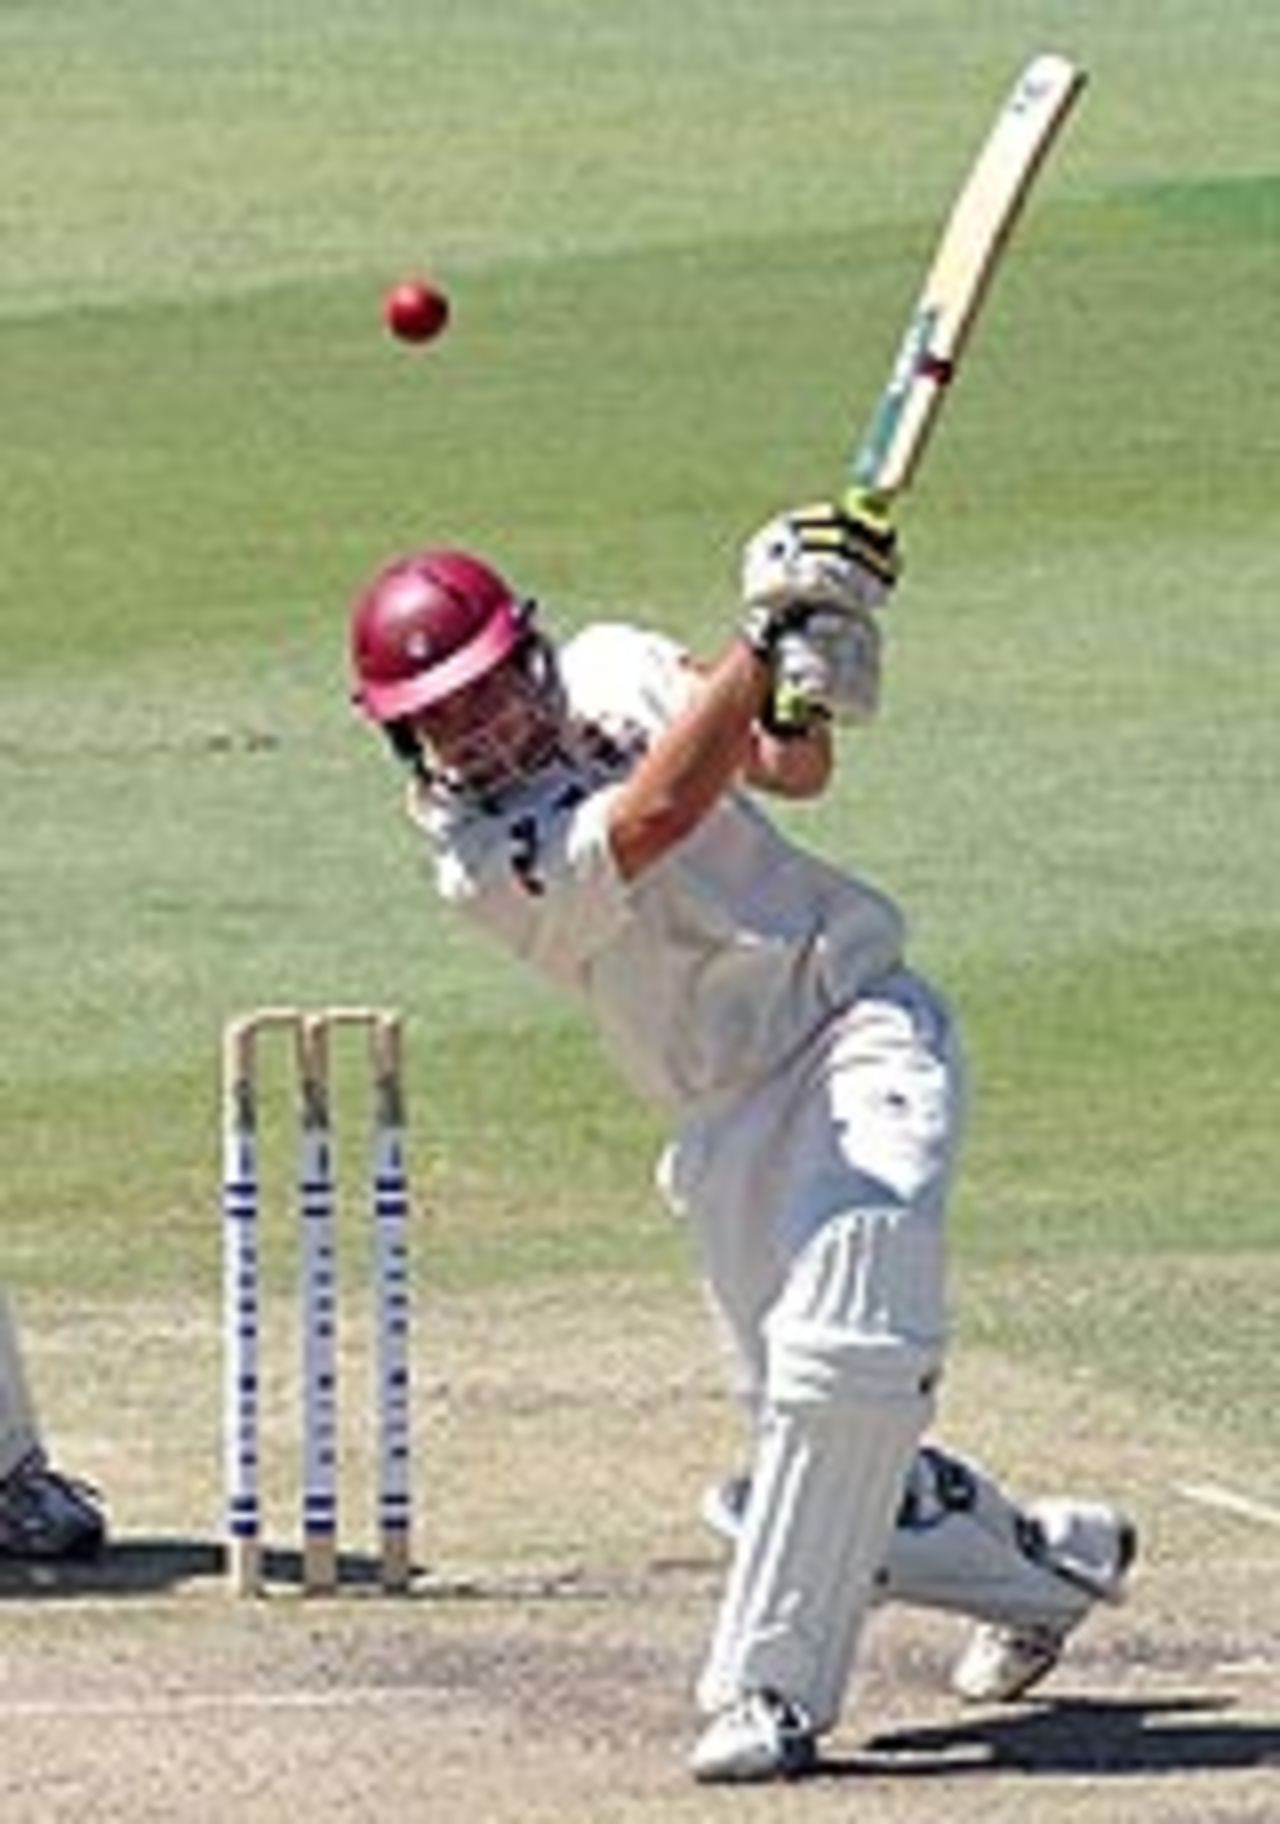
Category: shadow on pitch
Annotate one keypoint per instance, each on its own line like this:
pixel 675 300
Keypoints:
pixel 1099 1738
pixel 142 1566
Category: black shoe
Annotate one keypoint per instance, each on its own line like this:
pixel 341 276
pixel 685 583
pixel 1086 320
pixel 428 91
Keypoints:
pixel 44 1514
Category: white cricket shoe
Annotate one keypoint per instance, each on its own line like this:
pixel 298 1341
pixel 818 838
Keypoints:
pixel 999 1664
pixel 760 1737
pixel 1093 1548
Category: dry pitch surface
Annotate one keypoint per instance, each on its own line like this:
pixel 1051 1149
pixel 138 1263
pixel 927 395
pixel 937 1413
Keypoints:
pixel 542 1668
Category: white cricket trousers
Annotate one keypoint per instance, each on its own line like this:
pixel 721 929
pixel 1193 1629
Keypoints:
pixel 816 1206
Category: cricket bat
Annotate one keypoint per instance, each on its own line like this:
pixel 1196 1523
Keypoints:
pixel 982 218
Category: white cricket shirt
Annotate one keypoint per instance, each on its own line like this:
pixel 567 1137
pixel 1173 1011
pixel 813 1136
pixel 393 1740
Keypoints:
pixel 710 969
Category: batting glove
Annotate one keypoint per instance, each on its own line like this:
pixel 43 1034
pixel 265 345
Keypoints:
pixel 820 557
pixel 827 670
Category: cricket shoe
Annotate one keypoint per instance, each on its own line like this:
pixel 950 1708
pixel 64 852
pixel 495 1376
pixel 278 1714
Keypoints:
pixel 1089 1545
pixel 759 1737
pixel 44 1514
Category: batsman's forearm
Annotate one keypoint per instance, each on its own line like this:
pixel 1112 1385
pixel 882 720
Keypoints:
pixel 691 764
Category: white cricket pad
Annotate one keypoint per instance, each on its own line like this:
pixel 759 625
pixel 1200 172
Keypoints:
pixel 961 1544
pixel 845 1405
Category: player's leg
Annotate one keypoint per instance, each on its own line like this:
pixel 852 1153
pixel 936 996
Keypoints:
pixel 853 1347
pixel 1029 1575
pixel 709 1177
pixel 843 1410
pixel 43 1514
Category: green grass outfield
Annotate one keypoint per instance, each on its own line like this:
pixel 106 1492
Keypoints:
pixel 680 240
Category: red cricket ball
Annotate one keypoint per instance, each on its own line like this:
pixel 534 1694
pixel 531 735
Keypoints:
pixel 415 310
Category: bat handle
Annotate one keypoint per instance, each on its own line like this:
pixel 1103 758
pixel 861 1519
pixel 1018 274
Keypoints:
pixel 865 503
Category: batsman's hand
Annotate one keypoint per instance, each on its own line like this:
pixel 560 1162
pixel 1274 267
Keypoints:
pixel 828 557
pixel 826 671
pixel 811 579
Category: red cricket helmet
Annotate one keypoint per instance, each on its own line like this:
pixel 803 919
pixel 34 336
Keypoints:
pixel 428 625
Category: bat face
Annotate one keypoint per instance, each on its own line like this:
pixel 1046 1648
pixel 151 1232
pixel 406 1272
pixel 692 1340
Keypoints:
pixel 972 242
pixel 884 456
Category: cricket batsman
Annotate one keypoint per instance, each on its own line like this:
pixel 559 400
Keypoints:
pixel 598 808
pixel 43 1514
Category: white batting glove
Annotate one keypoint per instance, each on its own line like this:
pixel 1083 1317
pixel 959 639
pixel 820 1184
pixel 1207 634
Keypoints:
pixel 823 556
pixel 828 670
pixel 810 579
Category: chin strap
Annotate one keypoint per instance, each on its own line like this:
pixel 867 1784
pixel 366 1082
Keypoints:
pixel 404 744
